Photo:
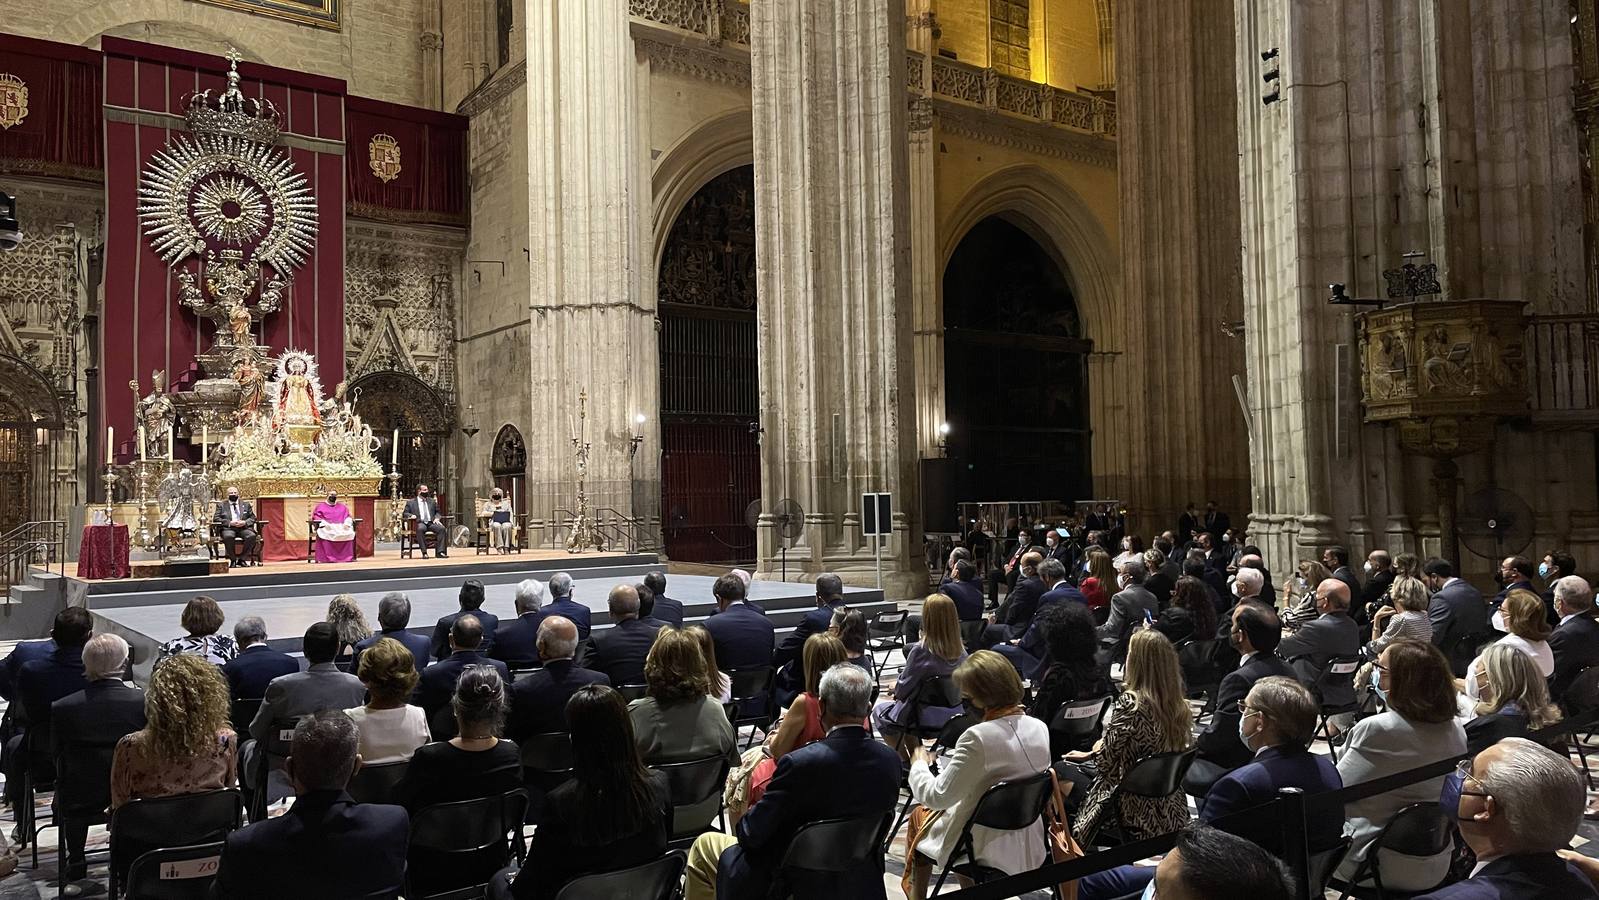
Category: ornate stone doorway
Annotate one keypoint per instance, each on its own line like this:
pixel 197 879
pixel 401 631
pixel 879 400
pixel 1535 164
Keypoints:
pixel 1015 369
pixel 16 465
pixel 710 452
pixel 508 465
pixel 396 400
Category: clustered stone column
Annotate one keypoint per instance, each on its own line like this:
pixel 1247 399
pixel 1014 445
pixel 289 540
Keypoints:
pixel 833 262
pixel 591 317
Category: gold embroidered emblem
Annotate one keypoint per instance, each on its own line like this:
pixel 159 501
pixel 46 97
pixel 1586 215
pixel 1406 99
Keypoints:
pixel 383 155
pixel 13 100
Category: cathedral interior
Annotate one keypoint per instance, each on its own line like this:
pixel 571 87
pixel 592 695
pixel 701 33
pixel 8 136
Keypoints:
pixel 1330 264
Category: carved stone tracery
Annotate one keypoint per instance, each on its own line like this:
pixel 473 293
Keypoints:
pixel 710 252
pixel 399 305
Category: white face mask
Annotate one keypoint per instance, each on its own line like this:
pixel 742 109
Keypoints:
pixel 1368 567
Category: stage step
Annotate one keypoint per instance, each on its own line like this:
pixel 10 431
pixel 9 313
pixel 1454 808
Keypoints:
pixel 30 608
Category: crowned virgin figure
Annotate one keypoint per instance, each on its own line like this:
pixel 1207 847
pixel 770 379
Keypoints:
pixel 295 395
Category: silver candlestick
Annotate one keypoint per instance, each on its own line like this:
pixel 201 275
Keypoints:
pixel 583 534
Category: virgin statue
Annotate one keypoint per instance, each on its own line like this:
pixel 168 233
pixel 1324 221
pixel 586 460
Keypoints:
pixel 335 531
pixel 297 402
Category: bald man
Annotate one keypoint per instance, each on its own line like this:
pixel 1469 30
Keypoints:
pixel 538 701
pixel 619 651
pixel 1332 633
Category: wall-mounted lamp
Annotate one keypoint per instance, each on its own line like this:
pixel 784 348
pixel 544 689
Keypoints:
pixel 943 439
pixel 638 436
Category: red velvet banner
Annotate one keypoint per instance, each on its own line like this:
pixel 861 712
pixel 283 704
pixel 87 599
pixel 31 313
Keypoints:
pixel 404 164
pixel 146 90
pixel 49 109
pixel 288 524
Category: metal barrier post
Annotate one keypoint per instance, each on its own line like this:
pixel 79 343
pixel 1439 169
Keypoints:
pixel 1296 851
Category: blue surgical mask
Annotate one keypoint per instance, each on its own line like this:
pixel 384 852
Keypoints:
pixel 1376 684
pixel 1449 797
pixel 1543 571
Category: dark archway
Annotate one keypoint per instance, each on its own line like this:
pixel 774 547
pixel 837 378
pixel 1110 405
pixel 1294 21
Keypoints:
pixel 508 465
pixel 390 401
pixel 1015 370
pixel 710 457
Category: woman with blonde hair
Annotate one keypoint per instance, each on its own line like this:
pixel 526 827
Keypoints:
pixel 1406 620
pixel 345 615
pixel 1005 744
pixel 1299 597
pixel 676 720
pixel 391 728
pixel 1149 716
pixel 1522 616
pixel 802 722
pixel 1511 699
pixel 721 686
pixel 1101 578
pixel 935 656
pixel 186 745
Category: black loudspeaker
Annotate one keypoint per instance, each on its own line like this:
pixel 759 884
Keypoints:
pixel 939 512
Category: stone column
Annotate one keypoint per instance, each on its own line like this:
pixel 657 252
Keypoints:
pixel 833 264
pixel 925 277
pixel 591 319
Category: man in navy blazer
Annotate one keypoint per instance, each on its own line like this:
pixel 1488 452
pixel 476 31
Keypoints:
pixel 95 717
pixel 1256 632
pixel 1016 613
pixel 666 609
pixel 965 590
pixel 1456 610
pixel 27 651
pixel 253 669
pixel 619 651
pixel 847 774
pixel 433 693
pixel 327 846
pixel 471 599
pixel 741 634
pixel 562 604
pixel 517 641
pixel 394 614
pixel 1575 641
pixel 40 683
pixel 790 653
pixel 1028 652
pixel 538 701
pixel 1519 805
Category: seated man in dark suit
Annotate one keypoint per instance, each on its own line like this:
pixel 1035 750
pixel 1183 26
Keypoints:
pixel 562 604
pixel 845 775
pixel 95 717
pixel 1575 641
pixel 1278 725
pixel 25 651
pixel 438 680
pixel 1380 576
pixel 40 683
pixel 1029 652
pixel 666 609
pixel 327 846
pixel 1515 574
pixel 1517 808
pixel 791 677
pixel 538 701
pixel 1456 611
pixel 1016 613
pixel 619 651
pixel 253 669
pixel 422 516
pixel 320 686
pixel 1328 635
pixel 1256 631
pixel 471 600
pixel 966 591
pixel 516 643
pixel 394 614
pixel 741 634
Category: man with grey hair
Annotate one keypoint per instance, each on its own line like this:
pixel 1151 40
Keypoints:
pixel 846 775
pixel 1130 607
pixel 619 651
pixel 339 848
pixel 791 675
pixel 516 643
pixel 1027 653
pixel 562 604
pixel 98 716
pixel 256 665
pixel 1518 804
pixel 394 614
pixel 538 700
pixel 1575 641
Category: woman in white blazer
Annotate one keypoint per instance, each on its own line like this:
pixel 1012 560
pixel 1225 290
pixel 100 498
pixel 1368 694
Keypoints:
pixel 1419 727
pixel 1007 744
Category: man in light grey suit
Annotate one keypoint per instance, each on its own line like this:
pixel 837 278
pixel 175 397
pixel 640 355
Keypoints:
pixel 1456 611
pixel 322 686
pixel 1128 606
pixel 1331 634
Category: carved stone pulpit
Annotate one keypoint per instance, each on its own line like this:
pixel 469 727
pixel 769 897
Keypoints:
pixel 1445 374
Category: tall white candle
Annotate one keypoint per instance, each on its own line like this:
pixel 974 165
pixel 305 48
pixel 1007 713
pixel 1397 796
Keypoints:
pixel 394 450
pixel 205 440
pixel 141 442
pixel 110 444
pixel 169 444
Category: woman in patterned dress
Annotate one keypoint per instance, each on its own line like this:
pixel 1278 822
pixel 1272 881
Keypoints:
pixel 202 618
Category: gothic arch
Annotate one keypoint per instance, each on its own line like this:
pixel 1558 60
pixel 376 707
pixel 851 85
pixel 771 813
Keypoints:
pixel 509 456
pixel 714 146
pixel 1036 201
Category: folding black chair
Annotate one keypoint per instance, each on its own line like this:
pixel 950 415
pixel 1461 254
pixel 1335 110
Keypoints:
pixel 1202 673
pixel 83 792
pixel 1334 689
pixel 269 757
pixel 654 880
pixel 1322 864
pixel 694 783
pixel 885 634
pixel 183 820
pixel 1077 725
pixel 948 736
pixel 1156 776
pixel 832 845
pixel 1420 829
pixel 1007 806
pixel 747 685
pixel 38 776
pixel 243 713
pixel 1464 648
pixel 1581 701
pixel 175 873
pixel 375 783
pixel 631 692
pixel 469 839
pixel 546 765
pixel 935 691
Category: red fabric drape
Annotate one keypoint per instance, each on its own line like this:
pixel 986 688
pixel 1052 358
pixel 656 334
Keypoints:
pixel 431 184
pixel 60 135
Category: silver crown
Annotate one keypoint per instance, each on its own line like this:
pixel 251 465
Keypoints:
pixel 232 113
